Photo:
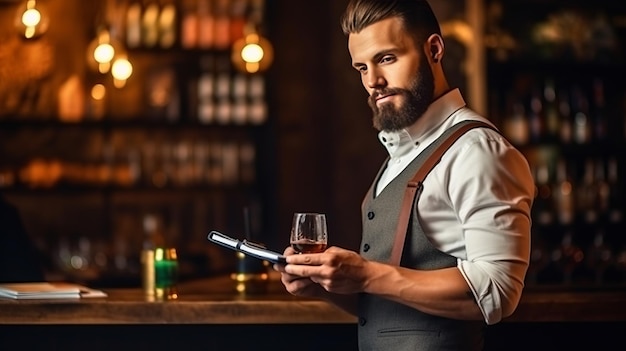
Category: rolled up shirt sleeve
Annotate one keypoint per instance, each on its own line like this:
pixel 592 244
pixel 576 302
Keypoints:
pixel 491 189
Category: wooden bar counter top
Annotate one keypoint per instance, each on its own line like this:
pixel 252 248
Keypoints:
pixel 215 301
pixel 210 301
pixel 211 313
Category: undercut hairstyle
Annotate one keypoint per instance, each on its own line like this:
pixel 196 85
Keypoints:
pixel 417 16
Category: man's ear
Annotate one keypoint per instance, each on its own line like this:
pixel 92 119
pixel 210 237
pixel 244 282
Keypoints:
pixel 436 47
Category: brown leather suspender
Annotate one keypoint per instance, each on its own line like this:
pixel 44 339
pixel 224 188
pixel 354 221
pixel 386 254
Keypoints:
pixel 415 184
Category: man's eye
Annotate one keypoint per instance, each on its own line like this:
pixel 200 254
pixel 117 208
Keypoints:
pixel 386 59
pixel 362 69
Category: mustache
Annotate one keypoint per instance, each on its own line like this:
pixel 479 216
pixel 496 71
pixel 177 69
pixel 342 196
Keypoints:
pixel 385 91
pixel 377 93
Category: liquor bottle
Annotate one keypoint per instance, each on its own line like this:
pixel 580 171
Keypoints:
pixel 582 131
pixel 551 110
pixel 600 122
pixel 257 109
pixel 587 194
pixel 223 86
pixel 168 24
pixel 563 194
pixel 240 98
pixel 206 90
pixel 599 255
pixel 543 206
pixel 568 258
pixel 616 223
pixel 206 22
pixel 150 24
pixel 598 258
pixel 566 128
pixel 515 122
pixel 189 25
pixel 133 25
pixel 153 238
pixel 543 225
pixel 222 25
pixel 536 118
pixel 238 19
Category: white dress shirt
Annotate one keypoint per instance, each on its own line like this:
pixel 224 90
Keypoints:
pixel 475 204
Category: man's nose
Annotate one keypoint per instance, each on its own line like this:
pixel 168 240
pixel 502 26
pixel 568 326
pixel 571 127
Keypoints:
pixel 374 80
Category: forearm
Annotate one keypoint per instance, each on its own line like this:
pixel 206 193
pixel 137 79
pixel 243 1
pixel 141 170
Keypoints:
pixel 441 292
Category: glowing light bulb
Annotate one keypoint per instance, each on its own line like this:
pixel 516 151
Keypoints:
pixel 122 70
pixel 98 92
pixel 31 20
pixel 252 53
pixel 104 53
pixel 31 17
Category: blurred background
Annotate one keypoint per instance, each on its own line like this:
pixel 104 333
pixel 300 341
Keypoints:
pixel 120 119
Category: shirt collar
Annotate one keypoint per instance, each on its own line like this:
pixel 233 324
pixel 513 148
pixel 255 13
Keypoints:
pixel 400 142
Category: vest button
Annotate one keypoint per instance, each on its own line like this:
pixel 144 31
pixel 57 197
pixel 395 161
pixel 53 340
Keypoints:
pixel 362 321
pixel 370 215
pixel 366 247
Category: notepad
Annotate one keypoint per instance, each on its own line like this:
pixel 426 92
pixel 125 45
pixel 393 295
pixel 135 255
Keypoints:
pixel 47 290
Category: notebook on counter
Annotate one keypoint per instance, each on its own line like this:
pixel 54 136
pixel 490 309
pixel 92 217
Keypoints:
pixel 47 290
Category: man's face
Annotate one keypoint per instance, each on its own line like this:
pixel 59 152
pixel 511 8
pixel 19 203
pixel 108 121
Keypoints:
pixel 399 81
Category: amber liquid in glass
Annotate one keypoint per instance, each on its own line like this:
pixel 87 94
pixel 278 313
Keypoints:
pixel 308 246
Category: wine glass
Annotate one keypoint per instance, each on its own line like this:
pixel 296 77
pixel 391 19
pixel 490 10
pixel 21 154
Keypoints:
pixel 309 233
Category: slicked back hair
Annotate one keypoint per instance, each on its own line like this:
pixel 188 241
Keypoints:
pixel 417 16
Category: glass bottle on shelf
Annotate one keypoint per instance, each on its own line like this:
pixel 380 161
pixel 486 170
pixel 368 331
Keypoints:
pixel 153 238
pixel 543 224
pixel 206 90
pixel 566 127
pixel 150 24
pixel 239 97
pixel 599 256
pixel 616 223
pixel 222 24
pixel 516 127
pixel 568 258
pixel 600 122
pixel 206 24
pixel 133 24
pixel 536 118
pixel 561 266
pixel 168 24
pixel 551 110
pixel 189 24
pixel 543 205
pixel 580 111
pixel 587 196
pixel 257 109
pixel 223 83
pixel 238 19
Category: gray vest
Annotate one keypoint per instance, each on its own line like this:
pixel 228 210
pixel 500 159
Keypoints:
pixel 391 326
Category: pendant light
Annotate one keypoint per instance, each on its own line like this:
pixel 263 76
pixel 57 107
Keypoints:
pixel 31 19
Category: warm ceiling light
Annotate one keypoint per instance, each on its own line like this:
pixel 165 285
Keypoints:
pixel 31 20
pixel 121 71
pixel 252 53
pixel 101 51
pixel 104 53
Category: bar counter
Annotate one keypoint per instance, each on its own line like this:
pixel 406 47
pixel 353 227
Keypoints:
pixel 210 301
pixel 213 308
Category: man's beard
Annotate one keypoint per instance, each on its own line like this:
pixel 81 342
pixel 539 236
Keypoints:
pixel 413 102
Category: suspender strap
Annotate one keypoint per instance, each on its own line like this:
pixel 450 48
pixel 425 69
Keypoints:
pixel 415 184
